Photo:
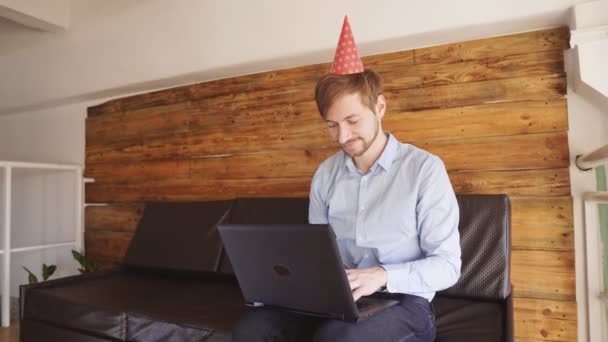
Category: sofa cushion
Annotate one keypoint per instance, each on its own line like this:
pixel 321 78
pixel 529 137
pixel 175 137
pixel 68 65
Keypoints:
pixel 462 320
pixel 34 331
pixel 138 306
pixel 178 236
pixel 486 248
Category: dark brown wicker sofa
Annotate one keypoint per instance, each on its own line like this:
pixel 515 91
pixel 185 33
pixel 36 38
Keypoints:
pixel 177 283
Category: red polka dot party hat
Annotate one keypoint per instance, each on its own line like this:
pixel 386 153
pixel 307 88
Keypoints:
pixel 346 60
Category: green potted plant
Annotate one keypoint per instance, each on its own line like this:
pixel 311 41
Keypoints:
pixel 47 272
pixel 87 264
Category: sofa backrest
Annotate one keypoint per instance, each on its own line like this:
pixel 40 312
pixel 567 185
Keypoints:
pixel 178 236
pixel 485 225
pixel 184 236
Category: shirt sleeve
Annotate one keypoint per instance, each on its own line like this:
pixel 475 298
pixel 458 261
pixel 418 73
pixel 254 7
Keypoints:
pixel 317 208
pixel 437 216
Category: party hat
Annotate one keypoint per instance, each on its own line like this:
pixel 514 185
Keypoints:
pixel 346 60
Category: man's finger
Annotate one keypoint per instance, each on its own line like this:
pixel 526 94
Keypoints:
pixel 357 293
pixel 354 284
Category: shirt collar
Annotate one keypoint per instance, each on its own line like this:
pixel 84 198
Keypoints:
pixel 385 160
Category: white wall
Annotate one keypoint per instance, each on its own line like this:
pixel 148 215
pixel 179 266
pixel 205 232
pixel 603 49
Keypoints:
pixel 42 201
pixel 117 46
pixel 49 15
pixel 54 135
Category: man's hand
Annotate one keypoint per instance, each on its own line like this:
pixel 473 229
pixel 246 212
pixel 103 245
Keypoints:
pixel 365 281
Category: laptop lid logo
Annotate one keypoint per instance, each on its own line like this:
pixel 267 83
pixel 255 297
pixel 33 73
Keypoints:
pixel 281 270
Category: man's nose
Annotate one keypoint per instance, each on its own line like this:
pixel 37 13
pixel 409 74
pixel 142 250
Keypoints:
pixel 344 134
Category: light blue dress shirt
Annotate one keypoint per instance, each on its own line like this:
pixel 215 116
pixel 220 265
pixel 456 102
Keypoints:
pixel 401 215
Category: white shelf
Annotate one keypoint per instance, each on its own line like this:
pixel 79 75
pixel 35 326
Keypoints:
pixel 41 247
pixel 7 167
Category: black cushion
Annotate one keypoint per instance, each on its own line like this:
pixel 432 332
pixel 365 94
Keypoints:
pixel 139 306
pixel 179 236
pixel 486 247
pixel 462 320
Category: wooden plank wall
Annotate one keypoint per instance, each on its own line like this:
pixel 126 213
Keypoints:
pixel 494 110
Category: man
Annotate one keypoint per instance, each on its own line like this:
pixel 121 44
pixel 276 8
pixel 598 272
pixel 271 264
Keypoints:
pixel 392 208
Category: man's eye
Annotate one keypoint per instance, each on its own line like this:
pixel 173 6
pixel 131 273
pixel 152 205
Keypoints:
pixel 331 125
pixel 352 122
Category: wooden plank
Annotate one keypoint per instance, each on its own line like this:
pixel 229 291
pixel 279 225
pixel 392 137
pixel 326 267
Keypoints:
pixel 139 123
pixel 157 98
pixel 550 182
pixel 537 41
pixel 475 93
pixel 522 151
pixel 107 245
pixel 147 170
pixel 510 66
pixel 495 119
pixel 276 79
pixel 546 150
pixel 280 164
pixel 545 320
pixel 201 190
pixel 543 274
pixel 542 223
pixel 123 217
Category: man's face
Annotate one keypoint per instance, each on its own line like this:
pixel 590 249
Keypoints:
pixel 353 125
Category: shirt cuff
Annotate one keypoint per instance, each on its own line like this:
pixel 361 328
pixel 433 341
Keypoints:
pixel 396 279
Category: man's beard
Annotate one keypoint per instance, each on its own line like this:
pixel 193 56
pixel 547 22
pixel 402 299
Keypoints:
pixel 366 144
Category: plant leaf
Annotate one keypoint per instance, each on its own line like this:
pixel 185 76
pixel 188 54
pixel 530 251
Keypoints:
pixel 31 278
pixel 47 271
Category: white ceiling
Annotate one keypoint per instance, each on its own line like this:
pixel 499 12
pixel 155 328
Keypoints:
pixel 115 47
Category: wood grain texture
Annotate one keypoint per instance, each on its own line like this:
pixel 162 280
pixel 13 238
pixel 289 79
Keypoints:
pixel 544 320
pixel 118 218
pixel 107 245
pixel 514 183
pixel 549 182
pixel 466 94
pixel 542 223
pixel 544 40
pixel 543 274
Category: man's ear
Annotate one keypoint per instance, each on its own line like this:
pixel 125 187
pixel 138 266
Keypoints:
pixel 380 106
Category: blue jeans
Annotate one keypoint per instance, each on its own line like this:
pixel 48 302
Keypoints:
pixel 413 319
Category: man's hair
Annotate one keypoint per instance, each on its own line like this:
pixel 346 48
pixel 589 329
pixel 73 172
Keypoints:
pixel 368 84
